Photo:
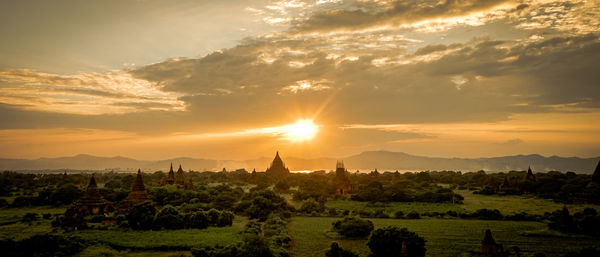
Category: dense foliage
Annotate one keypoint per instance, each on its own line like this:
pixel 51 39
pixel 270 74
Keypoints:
pixel 353 227
pixel 388 241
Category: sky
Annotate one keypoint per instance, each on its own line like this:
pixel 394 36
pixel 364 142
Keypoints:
pixel 152 79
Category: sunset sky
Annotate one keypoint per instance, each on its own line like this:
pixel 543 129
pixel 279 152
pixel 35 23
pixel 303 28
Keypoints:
pixel 321 78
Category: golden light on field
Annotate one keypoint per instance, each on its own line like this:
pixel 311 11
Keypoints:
pixel 302 130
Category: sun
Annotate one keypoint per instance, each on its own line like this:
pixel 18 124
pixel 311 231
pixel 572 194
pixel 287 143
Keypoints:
pixel 302 130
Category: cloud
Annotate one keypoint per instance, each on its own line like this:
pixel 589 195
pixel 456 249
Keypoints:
pixel 479 80
pixel 400 14
pixel 84 93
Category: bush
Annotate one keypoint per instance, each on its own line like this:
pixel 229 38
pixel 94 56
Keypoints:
pixel 387 242
pixel 168 218
pixel 141 216
pixel 353 227
pixel 199 220
pixel 29 217
pixel 310 206
pixel 225 219
pixel 399 215
pixel 413 215
pixel 213 216
pixel 487 214
pixel 337 251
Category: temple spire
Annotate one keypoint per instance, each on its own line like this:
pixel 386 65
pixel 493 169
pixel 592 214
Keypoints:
pixel 596 175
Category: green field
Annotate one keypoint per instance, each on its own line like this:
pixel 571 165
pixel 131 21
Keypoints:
pixel 445 237
pixel 165 239
pixel 472 202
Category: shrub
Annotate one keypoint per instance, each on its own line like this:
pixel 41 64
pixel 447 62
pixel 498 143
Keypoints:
pixel 337 251
pixel 353 227
pixel 213 216
pixel 199 220
pixel 413 215
pixel 168 218
pixel 141 216
pixel 387 242
pixel 399 215
pixel 225 219
pixel 29 217
pixel 310 206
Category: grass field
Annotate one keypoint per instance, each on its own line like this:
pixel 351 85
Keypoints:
pixel 165 239
pixel 472 202
pixel 445 237
pixel 9 215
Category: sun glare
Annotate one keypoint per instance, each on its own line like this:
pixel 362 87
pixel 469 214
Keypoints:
pixel 302 130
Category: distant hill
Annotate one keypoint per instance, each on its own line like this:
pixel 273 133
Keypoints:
pixel 366 161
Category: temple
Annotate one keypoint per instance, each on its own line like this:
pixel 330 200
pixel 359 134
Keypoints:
pixel 530 177
pixel 177 179
pixel 277 167
pixel 137 195
pixel 341 180
pixel 489 247
pixel 596 175
pixel 170 179
pixel 92 202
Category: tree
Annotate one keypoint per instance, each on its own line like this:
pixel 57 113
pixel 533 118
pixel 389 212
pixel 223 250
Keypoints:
pixel 199 220
pixel 225 219
pixel 337 251
pixel 353 227
pixel 387 242
pixel 65 194
pixel 141 215
pixel 168 218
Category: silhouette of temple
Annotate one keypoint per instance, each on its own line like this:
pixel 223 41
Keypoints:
pixel 137 195
pixel 489 247
pixel 341 180
pixel 277 168
pixel 591 192
pixel 530 177
pixel 177 179
pixel 170 180
pixel 92 202
pixel 596 175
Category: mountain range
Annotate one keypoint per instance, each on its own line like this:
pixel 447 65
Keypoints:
pixel 366 161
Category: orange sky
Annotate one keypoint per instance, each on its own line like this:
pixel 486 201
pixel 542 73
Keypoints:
pixel 229 79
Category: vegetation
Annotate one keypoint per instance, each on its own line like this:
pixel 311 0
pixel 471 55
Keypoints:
pixel 389 241
pixel 353 227
pixel 305 215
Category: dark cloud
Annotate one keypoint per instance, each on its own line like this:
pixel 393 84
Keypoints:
pixel 500 78
pixel 399 13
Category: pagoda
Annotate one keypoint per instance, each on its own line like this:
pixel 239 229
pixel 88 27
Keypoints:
pixel 489 247
pixel 277 167
pixel 341 180
pixel 92 202
pixel 530 177
pixel 179 177
pixel 170 179
pixel 137 195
